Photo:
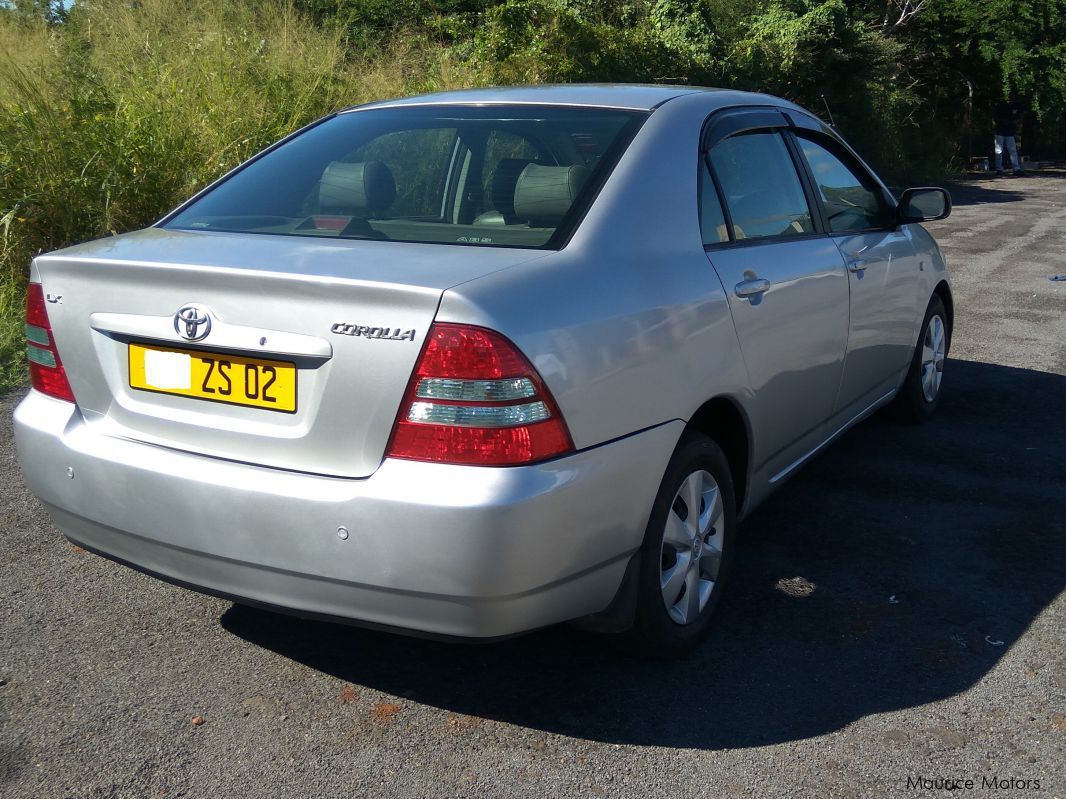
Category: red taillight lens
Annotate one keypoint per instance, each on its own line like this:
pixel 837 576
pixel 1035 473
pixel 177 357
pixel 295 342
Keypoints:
pixel 475 399
pixel 46 370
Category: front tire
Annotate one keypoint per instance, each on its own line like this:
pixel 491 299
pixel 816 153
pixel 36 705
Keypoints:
pixel 687 551
pixel 920 394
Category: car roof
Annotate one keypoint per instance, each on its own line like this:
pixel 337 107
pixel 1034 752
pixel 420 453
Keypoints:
pixel 636 97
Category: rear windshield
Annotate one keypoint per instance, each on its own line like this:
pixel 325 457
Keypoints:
pixel 511 176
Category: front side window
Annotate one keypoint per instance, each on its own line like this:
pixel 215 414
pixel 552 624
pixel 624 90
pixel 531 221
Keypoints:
pixel 762 188
pixel 514 175
pixel 851 203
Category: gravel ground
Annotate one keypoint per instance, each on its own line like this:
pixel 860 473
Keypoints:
pixel 897 614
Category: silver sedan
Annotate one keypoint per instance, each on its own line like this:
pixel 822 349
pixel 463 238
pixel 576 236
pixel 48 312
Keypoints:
pixel 474 363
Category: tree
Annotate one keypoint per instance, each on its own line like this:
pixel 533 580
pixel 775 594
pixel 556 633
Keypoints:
pixel 52 11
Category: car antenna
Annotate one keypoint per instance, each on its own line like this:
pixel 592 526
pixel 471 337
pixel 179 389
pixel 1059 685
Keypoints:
pixel 832 122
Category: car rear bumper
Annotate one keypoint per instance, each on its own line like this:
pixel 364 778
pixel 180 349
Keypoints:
pixel 446 550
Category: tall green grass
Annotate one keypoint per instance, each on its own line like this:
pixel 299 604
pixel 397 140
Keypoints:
pixel 111 119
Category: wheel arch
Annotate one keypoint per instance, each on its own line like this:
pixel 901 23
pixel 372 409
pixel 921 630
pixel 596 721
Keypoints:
pixel 943 290
pixel 723 419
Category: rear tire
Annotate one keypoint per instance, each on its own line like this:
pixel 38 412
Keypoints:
pixel 686 553
pixel 920 394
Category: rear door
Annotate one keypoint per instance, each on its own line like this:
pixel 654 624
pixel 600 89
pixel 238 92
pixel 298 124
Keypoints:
pixel 882 271
pixel 785 280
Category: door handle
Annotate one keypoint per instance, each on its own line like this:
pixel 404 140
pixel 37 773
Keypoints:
pixel 857 264
pixel 752 288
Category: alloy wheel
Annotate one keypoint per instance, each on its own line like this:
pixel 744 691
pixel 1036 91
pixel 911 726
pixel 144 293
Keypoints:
pixel 692 547
pixel 933 351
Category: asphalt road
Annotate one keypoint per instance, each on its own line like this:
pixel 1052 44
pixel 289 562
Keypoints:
pixel 931 646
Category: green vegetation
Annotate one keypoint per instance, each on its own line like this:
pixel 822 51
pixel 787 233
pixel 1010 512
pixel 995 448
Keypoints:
pixel 112 111
pixel 111 117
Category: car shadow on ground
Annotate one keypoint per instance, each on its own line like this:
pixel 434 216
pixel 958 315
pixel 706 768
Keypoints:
pixel 930 550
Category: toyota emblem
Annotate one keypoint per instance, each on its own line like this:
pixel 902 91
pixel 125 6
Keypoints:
pixel 192 322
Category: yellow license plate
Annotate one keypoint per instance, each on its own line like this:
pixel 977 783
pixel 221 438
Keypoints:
pixel 214 376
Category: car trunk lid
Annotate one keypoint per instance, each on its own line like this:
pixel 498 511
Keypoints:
pixel 349 316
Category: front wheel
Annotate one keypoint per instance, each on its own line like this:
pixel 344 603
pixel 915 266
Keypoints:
pixel 687 551
pixel 919 396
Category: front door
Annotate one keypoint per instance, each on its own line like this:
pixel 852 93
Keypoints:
pixel 882 272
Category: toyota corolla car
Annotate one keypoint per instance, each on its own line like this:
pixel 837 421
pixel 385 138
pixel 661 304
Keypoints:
pixel 474 363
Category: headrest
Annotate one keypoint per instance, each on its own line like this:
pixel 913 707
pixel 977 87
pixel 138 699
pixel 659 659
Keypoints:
pixel 545 193
pixel 361 189
pixel 503 181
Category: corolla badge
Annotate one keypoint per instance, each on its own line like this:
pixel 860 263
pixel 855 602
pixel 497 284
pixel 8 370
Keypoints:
pixel 368 331
pixel 192 322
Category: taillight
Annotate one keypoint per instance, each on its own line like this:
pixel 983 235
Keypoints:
pixel 46 370
pixel 475 399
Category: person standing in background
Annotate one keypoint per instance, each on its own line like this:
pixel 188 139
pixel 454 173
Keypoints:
pixel 1008 117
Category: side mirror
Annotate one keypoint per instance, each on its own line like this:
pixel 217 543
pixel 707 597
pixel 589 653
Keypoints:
pixel 923 205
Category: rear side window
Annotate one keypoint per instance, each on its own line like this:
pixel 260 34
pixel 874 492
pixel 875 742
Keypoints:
pixel 498 175
pixel 712 220
pixel 761 186
pixel 851 202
